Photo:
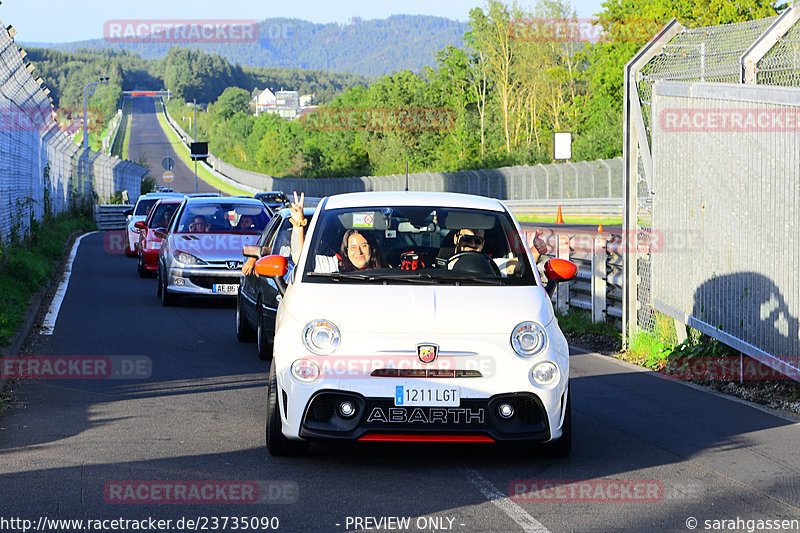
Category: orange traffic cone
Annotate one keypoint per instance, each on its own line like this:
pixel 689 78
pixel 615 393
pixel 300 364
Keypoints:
pixel 600 228
pixel 559 218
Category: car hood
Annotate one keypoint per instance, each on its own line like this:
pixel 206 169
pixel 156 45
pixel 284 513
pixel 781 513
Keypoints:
pixel 213 246
pixel 423 309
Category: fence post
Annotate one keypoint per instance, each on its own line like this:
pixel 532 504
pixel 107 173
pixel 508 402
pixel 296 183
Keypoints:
pixel 599 273
pixel 562 291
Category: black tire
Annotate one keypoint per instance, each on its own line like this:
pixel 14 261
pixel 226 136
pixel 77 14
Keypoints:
pixel 277 443
pixel 143 273
pixel 244 331
pixel 264 341
pixel 167 299
pixel 561 447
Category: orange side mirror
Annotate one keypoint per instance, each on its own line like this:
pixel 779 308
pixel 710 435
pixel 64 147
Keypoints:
pixel 560 270
pixel 272 266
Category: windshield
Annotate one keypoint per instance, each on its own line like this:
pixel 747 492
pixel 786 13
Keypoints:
pixel 143 206
pixel 418 244
pixel 223 217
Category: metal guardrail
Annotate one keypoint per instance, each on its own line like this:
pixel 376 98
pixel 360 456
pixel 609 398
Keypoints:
pixel 110 216
pixel 598 285
pixel 586 208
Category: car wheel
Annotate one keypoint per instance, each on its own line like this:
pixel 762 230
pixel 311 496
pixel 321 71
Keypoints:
pixel 264 341
pixel 143 273
pixel 244 331
pixel 167 299
pixel 277 443
pixel 561 447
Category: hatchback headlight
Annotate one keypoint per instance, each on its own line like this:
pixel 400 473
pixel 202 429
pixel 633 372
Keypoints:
pixel 188 259
pixel 528 339
pixel 321 337
pixel 545 373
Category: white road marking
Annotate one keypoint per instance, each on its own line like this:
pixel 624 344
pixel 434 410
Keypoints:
pixel 503 502
pixel 49 324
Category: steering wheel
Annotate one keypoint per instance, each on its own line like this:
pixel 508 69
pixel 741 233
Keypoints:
pixel 473 263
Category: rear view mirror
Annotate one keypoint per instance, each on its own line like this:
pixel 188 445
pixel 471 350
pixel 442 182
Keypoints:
pixel 558 271
pixel 161 233
pixel 272 266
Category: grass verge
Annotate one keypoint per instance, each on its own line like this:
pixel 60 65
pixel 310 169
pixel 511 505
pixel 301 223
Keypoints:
pixel 183 154
pixel 120 148
pixel 27 267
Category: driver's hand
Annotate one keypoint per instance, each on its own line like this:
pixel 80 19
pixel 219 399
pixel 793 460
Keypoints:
pixel 249 267
pixel 539 246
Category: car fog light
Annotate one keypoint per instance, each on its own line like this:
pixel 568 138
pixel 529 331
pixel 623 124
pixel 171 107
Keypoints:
pixel 180 282
pixel 305 370
pixel 505 411
pixel 347 409
pixel 544 373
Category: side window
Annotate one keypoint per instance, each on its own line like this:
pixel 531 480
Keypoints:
pixel 269 232
pixel 282 242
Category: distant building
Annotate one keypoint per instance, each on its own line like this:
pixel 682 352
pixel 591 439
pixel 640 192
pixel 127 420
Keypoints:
pixel 306 100
pixel 287 104
pixel 265 102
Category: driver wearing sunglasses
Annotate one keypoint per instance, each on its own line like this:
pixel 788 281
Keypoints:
pixel 469 240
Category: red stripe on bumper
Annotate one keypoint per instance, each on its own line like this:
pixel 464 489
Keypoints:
pixel 380 437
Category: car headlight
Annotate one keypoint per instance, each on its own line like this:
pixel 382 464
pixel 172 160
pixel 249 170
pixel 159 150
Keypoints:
pixel 321 337
pixel 305 370
pixel 528 339
pixel 545 373
pixel 188 259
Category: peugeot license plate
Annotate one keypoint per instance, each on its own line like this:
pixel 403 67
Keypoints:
pixel 226 288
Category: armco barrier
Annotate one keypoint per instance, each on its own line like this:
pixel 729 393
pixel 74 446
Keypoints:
pixel 111 216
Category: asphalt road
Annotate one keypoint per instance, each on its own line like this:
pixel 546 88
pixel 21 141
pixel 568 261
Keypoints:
pixel 200 416
pixel 148 140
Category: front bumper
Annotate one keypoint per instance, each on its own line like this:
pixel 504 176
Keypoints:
pixel 379 416
pixel 201 281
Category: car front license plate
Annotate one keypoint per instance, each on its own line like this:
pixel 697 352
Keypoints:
pixel 226 288
pixel 426 396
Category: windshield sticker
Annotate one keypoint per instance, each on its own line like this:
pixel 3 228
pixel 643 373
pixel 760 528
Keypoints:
pixel 363 220
pixel 391 234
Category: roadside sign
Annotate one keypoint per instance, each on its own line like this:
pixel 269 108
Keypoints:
pixel 168 176
pixel 167 163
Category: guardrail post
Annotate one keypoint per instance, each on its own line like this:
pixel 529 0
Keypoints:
pixel 599 273
pixel 562 291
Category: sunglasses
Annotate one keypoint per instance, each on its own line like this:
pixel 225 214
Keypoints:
pixel 471 240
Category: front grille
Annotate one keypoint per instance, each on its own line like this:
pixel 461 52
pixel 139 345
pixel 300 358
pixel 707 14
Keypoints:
pixel 208 282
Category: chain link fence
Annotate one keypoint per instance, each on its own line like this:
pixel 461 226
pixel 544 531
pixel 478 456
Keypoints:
pixel 40 167
pixel 716 61
pixel 584 179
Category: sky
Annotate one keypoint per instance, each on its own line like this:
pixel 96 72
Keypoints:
pixel 57 21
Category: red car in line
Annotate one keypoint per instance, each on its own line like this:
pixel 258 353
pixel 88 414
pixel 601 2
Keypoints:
pixel 149 243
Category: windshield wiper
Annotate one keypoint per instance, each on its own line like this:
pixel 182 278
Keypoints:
pixel 343 276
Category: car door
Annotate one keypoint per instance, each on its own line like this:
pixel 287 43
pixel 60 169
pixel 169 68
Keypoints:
pixel 250 285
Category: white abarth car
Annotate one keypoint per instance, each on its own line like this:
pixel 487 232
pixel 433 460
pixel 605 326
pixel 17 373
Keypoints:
pixel 444 334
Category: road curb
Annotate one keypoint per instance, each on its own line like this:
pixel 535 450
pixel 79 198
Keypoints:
pixel 35 306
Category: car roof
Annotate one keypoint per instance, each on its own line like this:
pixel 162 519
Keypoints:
pixel 443 199
pixel 223 199
pixel 287 212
